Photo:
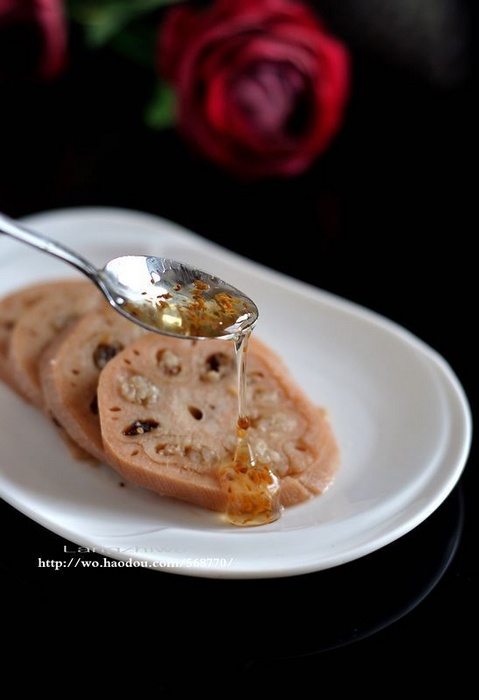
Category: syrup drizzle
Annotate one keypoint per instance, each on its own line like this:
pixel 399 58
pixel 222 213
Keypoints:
pixel 252 488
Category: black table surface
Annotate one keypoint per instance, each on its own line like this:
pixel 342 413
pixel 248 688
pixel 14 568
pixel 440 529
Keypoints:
pixel 384 218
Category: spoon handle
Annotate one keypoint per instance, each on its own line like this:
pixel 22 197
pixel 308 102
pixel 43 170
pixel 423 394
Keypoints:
pixel 47 245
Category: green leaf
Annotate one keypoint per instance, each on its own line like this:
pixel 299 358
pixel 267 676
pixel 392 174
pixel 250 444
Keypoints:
pixel 137 43
pixel 160 112
pixel 103 21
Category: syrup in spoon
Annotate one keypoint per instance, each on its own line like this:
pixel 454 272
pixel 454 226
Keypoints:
pixel 163 295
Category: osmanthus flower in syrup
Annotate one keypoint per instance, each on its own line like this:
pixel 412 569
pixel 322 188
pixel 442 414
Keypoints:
pixel 252 488
pixel 173 298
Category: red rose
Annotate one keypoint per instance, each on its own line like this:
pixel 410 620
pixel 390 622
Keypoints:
pixel 261 85
pixel 33 39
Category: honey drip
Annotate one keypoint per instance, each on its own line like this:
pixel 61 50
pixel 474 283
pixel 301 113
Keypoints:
pixel 252 488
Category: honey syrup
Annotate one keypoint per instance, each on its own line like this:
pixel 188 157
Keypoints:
pixel 194 309
pixel 252 488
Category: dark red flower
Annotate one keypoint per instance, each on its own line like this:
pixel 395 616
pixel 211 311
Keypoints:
pixel 33 39
pixel 261 85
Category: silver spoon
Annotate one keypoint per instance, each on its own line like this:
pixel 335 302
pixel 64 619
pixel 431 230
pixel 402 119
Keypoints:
pixel 162 295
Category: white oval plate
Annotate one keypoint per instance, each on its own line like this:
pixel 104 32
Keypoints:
pixel 400 415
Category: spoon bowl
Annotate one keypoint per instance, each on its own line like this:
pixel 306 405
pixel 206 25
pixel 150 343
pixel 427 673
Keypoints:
pixel 162 295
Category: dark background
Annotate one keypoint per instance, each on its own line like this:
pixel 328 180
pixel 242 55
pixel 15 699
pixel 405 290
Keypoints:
pixel 384 218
